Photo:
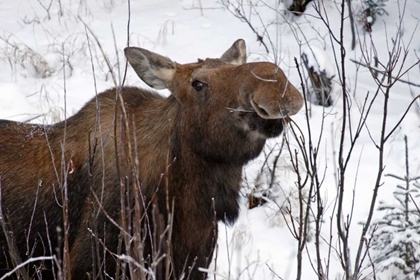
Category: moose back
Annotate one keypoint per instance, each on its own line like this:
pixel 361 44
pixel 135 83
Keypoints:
pixel 133 171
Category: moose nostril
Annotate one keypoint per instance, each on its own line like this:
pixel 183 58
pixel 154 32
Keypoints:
pixel 262 110
pixel 266 110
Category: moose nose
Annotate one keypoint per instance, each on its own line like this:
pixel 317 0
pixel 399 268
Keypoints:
pixel 271 94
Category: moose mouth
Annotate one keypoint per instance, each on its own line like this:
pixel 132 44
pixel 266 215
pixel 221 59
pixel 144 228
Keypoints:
pixel 268 128
pixel 261 121
pixel 257 121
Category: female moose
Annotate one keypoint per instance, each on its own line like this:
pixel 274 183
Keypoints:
pixel 76 190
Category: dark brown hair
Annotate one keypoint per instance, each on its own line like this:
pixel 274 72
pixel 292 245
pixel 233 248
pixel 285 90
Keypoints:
pixel 184 153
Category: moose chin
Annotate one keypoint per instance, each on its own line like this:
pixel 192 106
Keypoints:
pixel 135 171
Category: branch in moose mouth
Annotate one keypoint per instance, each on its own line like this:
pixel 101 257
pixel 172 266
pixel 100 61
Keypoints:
pixel 240 110
pixel 287 120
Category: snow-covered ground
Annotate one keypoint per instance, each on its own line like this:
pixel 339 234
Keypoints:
pixel 43 53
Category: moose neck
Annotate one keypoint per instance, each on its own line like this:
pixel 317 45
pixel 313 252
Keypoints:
pixel 205 181
pixel 166 150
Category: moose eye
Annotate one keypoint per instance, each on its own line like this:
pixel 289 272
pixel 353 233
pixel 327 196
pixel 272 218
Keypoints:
pixel 197 85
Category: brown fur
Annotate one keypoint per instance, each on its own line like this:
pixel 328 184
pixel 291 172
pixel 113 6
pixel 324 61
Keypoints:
pixel 200 139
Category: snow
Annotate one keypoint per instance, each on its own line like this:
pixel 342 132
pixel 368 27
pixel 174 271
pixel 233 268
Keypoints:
pixel 34 51
pixel 14 104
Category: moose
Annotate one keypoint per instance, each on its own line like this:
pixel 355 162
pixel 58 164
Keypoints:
pixel 174 162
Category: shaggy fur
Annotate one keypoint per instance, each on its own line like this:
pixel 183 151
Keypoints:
pixel 189 149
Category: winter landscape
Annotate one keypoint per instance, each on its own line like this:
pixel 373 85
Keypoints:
pixel 337 196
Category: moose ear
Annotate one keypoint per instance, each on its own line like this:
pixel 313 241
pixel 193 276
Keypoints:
pixel 155 70
pixel 236 54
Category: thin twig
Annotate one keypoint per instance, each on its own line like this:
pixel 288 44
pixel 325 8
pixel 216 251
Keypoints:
pixel 384 71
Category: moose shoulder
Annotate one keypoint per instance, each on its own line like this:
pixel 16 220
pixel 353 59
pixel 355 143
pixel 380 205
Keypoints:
pixel 180 157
